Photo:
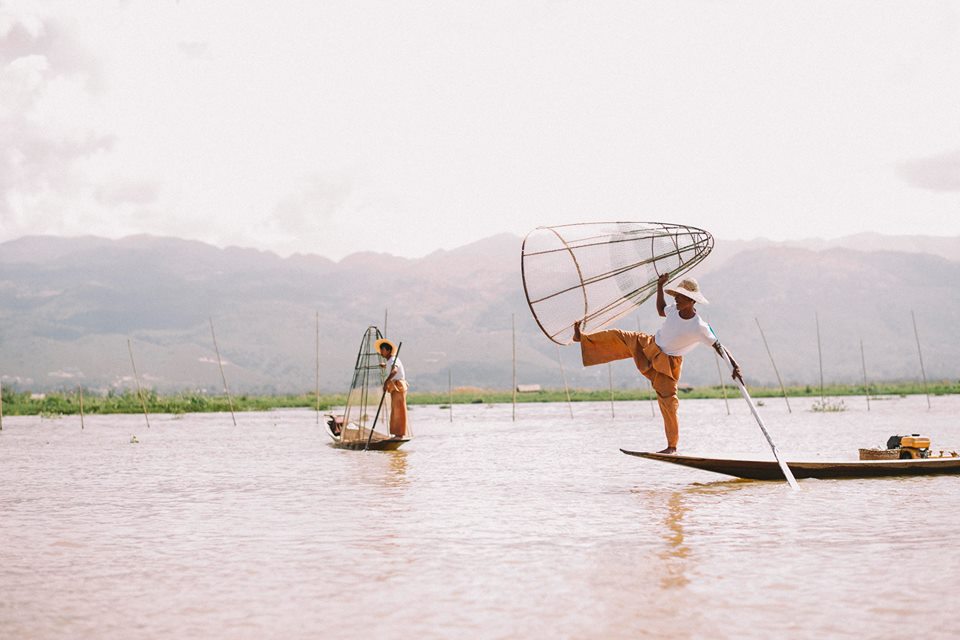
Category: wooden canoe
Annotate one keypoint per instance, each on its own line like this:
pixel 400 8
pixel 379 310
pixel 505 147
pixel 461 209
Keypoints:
pixel 358 438
pixel 770 470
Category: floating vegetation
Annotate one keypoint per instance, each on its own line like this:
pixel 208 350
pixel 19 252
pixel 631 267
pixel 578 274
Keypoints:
pixel 828 406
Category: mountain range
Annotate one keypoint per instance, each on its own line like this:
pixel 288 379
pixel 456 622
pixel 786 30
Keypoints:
pixel 68 307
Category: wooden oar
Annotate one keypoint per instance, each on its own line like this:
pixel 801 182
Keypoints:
pixel 383 395
pixel 746 396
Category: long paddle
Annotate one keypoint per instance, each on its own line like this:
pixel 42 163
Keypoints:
pixel 383 395
pixel 746 396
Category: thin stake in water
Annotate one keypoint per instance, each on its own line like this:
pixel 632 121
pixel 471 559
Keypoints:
pixel 566 388
pixel 1 405
pixel 863 363
pixel 223 376
pixel 318 367
pixel 776 371
pixel 80 394
pixel 136 377
pixel 610 378
pixel 819 355
pixel 450 391
pixel 513 324
pixel 920 353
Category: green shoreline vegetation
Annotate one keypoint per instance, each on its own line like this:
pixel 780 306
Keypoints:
pixel 22 403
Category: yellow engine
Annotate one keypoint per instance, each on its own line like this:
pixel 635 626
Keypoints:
pixel 912 446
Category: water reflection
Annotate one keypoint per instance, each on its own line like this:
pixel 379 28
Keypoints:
pixel 676 551
pixel 373 469
pixel 673 509
pixel 397 470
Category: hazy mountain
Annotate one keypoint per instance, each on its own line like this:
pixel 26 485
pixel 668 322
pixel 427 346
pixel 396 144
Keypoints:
pixel 68 306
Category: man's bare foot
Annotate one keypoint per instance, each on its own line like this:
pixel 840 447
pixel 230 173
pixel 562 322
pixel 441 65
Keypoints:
pixel 576 331
pixel 668 450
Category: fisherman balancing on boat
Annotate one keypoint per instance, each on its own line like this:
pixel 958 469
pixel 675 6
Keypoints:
pixel 396 385
pixel 659 357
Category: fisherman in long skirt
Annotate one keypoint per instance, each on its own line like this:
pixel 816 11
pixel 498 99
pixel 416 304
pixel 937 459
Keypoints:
pixel 659 357
pixel 396 385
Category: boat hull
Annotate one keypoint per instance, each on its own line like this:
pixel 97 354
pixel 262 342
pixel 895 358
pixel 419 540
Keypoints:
pixel 377 443
pixel 770 470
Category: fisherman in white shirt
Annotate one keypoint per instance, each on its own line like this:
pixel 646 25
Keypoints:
pixel 396 385
pixel 659 357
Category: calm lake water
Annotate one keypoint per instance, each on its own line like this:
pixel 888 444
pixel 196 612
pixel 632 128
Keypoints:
pixel 481 528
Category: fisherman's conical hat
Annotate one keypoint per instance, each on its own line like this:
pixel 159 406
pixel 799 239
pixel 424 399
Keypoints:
pixel 383 341
pixel 687 287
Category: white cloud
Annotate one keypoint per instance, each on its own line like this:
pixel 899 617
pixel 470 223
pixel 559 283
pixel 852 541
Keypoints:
pixel 936 173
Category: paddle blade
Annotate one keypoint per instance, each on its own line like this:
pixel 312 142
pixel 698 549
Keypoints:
pixel 599 271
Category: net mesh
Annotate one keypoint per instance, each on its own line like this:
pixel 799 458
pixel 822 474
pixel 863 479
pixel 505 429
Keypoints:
pixel 366 388
pixel 598 272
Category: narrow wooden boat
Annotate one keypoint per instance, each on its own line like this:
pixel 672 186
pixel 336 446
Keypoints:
pixel 770 470
pixel 361 439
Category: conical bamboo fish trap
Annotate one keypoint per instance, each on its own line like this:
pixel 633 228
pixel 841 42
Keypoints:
pixel 600 271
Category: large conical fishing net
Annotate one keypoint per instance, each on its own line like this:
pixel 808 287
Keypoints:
pixel 599 271
pixel 366 389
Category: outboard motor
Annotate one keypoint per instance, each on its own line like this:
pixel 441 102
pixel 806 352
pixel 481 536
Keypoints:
pixel 912 446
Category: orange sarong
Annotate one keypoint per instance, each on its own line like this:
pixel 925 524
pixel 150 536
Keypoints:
pixel 398 407
pixel 662 370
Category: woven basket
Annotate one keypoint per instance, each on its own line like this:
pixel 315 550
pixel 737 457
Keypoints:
pixel 879 454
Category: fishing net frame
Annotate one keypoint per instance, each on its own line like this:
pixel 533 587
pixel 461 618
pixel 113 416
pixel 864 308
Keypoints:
pixel 604 269
pixel 364 395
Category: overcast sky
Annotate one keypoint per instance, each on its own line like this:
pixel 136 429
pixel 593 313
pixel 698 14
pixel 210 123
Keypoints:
pixel 337 126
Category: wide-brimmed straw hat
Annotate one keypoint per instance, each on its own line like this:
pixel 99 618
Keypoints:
pixel 687 287
pixel 383 341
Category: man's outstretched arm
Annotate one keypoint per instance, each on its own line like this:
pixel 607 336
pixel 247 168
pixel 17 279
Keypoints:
pixel 661 301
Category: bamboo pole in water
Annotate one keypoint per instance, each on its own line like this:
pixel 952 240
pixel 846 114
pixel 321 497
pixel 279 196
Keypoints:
pixel 566 388
pixel 318 367
pixel 920 353
pixel 1 405
pixel 610 378
pixel 136 377
pixel 775 370
pixel 723 386
pixel 819 355
pixel 450 391
pixel 223 376
pixel 513 324
pixel 80 394
pixel 863 363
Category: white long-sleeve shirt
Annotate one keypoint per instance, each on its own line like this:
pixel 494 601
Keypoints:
pixel 678 336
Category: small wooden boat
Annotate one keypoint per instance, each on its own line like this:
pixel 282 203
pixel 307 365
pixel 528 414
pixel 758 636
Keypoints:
pixel 361 439
pixel 770 470
pixel 365 416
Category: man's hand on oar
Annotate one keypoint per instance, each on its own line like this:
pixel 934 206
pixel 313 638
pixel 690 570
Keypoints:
pixel 733 363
